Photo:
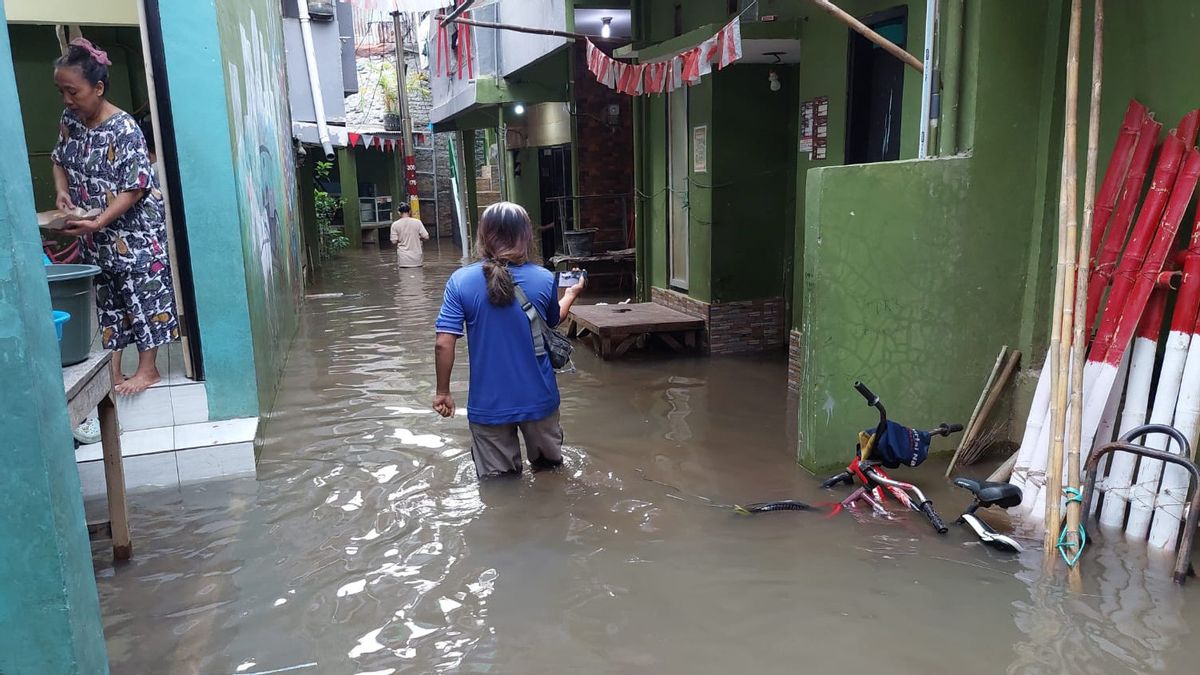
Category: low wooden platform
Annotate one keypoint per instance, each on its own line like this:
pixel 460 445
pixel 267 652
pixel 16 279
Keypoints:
pixel 613 329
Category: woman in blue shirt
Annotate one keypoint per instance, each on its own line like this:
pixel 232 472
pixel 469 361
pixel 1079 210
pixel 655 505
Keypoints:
pixel 512 388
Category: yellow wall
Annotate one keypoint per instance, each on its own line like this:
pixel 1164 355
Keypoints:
pixel 88 12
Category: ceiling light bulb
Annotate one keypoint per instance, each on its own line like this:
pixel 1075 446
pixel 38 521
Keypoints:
pixel 519 109
pixel 606 29
pixel 773 79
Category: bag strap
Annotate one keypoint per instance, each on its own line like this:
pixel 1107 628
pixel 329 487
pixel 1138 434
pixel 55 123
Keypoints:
pixel 537 325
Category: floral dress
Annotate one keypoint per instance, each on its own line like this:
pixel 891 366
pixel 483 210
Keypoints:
pixel 135 300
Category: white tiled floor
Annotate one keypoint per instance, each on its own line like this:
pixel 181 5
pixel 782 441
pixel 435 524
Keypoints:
pixel 165 439
pixel 172 469
pixel 216 433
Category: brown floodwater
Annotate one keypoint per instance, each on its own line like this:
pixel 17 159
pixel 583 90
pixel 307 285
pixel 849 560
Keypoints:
pixel 365 544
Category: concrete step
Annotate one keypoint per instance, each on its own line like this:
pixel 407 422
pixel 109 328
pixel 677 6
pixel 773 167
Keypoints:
pixel 166 457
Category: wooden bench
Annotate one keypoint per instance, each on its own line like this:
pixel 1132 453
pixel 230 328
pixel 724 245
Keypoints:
pixel 613 329
pixel 89 386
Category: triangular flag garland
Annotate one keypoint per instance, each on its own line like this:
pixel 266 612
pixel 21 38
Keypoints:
pixel 668 74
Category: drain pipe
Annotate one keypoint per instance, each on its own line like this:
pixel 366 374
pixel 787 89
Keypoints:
pixel 931 9
pixel 314 79
pixel 951 77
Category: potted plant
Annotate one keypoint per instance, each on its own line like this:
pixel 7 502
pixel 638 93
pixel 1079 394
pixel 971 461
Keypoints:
pixel 391 99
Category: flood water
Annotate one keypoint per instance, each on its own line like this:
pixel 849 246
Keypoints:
pixel 365 544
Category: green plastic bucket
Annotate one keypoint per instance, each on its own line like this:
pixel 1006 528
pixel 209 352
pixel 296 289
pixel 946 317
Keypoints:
pixel 71 292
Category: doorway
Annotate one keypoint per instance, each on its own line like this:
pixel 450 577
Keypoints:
pixel 875 93
pixel 678 158
pixel 554 185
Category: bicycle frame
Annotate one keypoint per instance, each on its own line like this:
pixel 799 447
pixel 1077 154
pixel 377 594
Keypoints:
pixel 876 483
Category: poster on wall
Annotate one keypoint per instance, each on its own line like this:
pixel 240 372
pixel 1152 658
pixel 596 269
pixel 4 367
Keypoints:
pixel 700 149
pixel 807 111
pixel 821 128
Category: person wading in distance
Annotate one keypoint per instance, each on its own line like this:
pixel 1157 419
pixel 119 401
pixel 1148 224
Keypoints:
pixel 511 387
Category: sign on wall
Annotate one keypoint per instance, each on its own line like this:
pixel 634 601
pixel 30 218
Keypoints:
pixel 700 149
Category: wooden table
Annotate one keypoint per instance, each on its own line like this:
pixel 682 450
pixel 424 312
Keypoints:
pixel 613 263
pixel 89 385
pixel 615 328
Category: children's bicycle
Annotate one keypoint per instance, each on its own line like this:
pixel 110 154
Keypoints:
pixel 890 445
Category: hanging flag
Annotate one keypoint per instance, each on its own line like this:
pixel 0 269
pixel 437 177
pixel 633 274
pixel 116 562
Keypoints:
pixel 731 43
pixel 353 138
pixel 691 66
pixel 368 140
pixel 710 50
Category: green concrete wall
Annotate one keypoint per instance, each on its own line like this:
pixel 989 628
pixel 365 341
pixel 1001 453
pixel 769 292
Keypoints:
pixel 750 127
pixel 916 272
pixel 348 177
pixel 48 605
pixel 526 188
pixel 34 50
pixel 754 182
pixel 196 84
pixel 252 51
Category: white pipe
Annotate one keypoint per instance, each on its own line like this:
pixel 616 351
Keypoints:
pixel 1104 435
pixel 931 7
pixel 1033 426
pixel 314 78
pixel 1173 493
pixel 1145 488
pixel 1137 403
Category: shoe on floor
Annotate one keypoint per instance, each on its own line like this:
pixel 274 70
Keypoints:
pixel 88 432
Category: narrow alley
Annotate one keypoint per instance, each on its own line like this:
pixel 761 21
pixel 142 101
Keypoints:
pixel 365 544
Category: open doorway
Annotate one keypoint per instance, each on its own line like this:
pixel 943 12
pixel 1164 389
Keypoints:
pixel 554 185
pixel 875 91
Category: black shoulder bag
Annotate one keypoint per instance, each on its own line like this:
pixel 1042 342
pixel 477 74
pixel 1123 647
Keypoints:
pixel 545 338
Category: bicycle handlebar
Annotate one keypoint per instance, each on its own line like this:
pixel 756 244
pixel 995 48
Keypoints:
pixel 934 518
pixel 861 388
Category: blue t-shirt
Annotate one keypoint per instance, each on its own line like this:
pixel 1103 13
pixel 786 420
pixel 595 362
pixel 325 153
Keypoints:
pixel 509 383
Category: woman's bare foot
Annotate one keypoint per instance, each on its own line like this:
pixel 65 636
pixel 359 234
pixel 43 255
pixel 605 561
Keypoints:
pixel 117 376
pixel 145 377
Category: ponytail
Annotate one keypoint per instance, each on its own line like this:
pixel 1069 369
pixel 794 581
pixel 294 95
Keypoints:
pixel 505 238
pixel 499 282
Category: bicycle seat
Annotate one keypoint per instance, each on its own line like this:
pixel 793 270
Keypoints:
pixel 1004 495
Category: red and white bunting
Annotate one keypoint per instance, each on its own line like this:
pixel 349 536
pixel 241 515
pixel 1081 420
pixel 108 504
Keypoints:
pixel 670 73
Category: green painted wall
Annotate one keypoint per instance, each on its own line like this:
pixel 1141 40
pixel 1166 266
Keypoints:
pixel 751 129
pixel 915 272
pixel 526 188
pixel 34 50
pixel 48 604
pixel 754 182
pixel 251 33
pixel 348 177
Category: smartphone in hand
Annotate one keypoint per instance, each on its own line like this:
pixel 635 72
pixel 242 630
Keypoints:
pixel 570 278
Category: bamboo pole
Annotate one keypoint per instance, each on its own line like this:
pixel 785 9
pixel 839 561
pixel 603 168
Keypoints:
pixel 1068 225
pixel 1075 411
pixel 862 29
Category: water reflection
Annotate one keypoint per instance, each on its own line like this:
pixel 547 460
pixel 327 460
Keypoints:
pixel 366 545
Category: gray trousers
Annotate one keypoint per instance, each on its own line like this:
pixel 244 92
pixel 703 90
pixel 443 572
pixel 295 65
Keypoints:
pixel 497 451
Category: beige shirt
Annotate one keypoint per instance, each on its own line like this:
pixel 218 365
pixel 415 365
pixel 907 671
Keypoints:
pixel 407 235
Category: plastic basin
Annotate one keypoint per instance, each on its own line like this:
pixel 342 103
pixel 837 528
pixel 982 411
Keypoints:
pixel 579 242
pixel 60 318
pixel 71 292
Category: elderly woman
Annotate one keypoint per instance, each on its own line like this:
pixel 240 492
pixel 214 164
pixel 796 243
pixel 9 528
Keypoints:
pixel 101 163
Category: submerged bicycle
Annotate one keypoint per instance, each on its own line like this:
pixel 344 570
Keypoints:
pixel 890 446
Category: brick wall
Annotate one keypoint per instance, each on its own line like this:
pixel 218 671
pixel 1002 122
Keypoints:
pixel 795 361
pixel 605 157
pixel 732 327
